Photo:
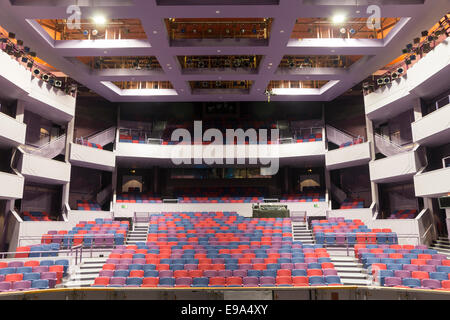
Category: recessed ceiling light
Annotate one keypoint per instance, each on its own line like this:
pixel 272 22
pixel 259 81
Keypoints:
pixel 270 63
pixel 357 11
pixel 168 64
pixel 155 32
pixel 333 50
pixel 219 50
pixel 281 31
pixel 99 20
pixel 170 68
pixel 338 18
pixel 217 11
pixel 105 52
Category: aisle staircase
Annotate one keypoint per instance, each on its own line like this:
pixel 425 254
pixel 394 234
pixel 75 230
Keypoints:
pixel 84 274
pixel 442 245
pixel 348 267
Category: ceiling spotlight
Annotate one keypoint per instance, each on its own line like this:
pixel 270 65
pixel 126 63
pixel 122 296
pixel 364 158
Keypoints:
pixel 400 70
pixel 33 54
pixel 20 42
pixel 24 59
pixel 45 77
pixel 430 38
pixel 424 33
pixel 218 83
pixel 409 46
pixel 352 31
pixel 30 64
pixel 94 32
pixel 58 83
pixel 209 30
pixel 227 31
pixel 404 51
pixel 194 30
pixel 11 35
pixel 416 40
pixel 366 85
pixel 342 30
pixel 51 81
pixel 380 81
pixel 387 80
pixel 242 30
pixel 413 57
pixel 26 49
pixel 99 20
pixel 407 62
pixel 37 72
pixel 394 75
pixel 85 33
pixel 338 18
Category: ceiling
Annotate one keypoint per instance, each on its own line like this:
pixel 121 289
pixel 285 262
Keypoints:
pixel 268 30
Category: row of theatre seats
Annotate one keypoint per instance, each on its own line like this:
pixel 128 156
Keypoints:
pixel 204 249
pixel 89 144
pixel 406 265
pixel 351 143
pixel 32 274
pixel 340 231
pixel 303 197
pixel 352 204
pixel 88 205
pixel 404 214
pixel 101 232
pixel 36 216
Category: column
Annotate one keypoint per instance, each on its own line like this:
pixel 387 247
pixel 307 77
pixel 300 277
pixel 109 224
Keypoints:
pixel 69 139
pixel 371 140
pixel 20 110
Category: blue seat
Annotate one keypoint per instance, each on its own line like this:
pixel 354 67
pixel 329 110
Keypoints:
pixel 403 261
pixel 231 267
pixel 253 273
pixel 24 270
pixel 445 269
pixel 121 273
pixel 166 282
pixel 47 263
pixel 135 266
pixel 439 275
pixel 134 281
pixel 298 260
pixel 383 274
pixel 174 267
pixel 411 282
pixel 314 266
pixel 273 266
pixel 269 273
pixel 149 267
pixel 40 284
pixel 151 273
pixel 323 259
pixel 138 256
pixel 299 273
pixel 332 280
pixel 31 276
pixel 8 270
pixel 394 266
pixel 316 280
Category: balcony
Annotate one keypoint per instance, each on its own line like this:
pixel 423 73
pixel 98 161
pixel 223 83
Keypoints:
pixel 426 78
pixel 352 156
pixel 12 132
pixel 398 168
pixel 11 186
pixel 433 184
pixel 433 129
pixel 40 97
pixel 87 157
pixel 43 170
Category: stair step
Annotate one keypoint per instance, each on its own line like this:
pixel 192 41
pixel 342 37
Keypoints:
pixel 348 269
pixel 352 275
pixel 76 284
pixel 360 282
pixel 343 259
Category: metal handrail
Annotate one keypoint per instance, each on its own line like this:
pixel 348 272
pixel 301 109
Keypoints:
pixel 70 251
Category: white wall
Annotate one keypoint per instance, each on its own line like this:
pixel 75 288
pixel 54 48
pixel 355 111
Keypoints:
pixel 93 158
pixel 11 131
pixel 351 156
pixel 432 184
pixel 401 165
pixel 45 170
pixel 437 122
pixel 11 186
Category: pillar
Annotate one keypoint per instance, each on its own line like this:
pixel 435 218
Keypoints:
pixel 371 140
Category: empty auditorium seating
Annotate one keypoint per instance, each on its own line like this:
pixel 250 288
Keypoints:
pixel 101 232
pixel 135 197
pixel 351 143
pixel 36 216
pixel 217 249
pixel 340 231
pixel 88 205
pixel 219 195
pixel 303 197
pixel 404 214
pixel 33 274
pixel 89 144
pixel 309 138
pixel 404 265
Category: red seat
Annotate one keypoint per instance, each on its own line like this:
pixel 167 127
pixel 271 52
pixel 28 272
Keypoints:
pixel 150 282
pixel 300 281
pixel 327 265
pixel 162 267
pixel 395 255
pixel 314 272
pixel 13 277
pixel 195 273
pixel 283 280
pixel 420 275
pixel 31 263
pixel 181 274
pixel 424 256
pixel 217 281
pixel 445 284
pixel 109 266
pixel 218 266
pixel 446 262
pixel 101 281
pixel 259 266
pixel 136 273
pixel 204 266
pixel 5 264
pixel 420 262
pixel 234 281
pixel 25 251
pixel 283 273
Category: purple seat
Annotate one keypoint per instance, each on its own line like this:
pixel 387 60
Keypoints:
pixel 15 264
pixel 431 283
pixel 40 269
pixel 245 266
pixel 427 268
pixel 126 261
pixel 119 251
pixel 392 281
pixel 118 281
pixel 21 285
pixel 5 286
pixel 190 266
pixel 310 260
pixel 106 273
pixel 218 261
pixel 51 277
pixel 341 239
pixel 225 273
pixel 165 273
pixel 121 266
pixel 257 260
pixel 2 277
pixel 411 267
pixel 300 265
pixel 240 273
pixel 402 273
pixel 52 232
pixel 267 281
pixel 138 261
pixel 286 255
pixel 112 261
pixel 402 251
pixel 210 273
pixel 288 266
pixel 129 251
pixel 434 262
pixel 57 238
pixel 329 272
pixel 421 246
pixel 439 256
pixel 183 282
pixel 99 240
pixel 382 255
pixel 250 281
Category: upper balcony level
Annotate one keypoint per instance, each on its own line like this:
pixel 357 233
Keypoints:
pixel 92 156
pixel 350 156
pixel 434 128
pixel 11 186
pixel 39 96
pixel 12 132
pixel 42 170
pixel 425 79
pixel 432 184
